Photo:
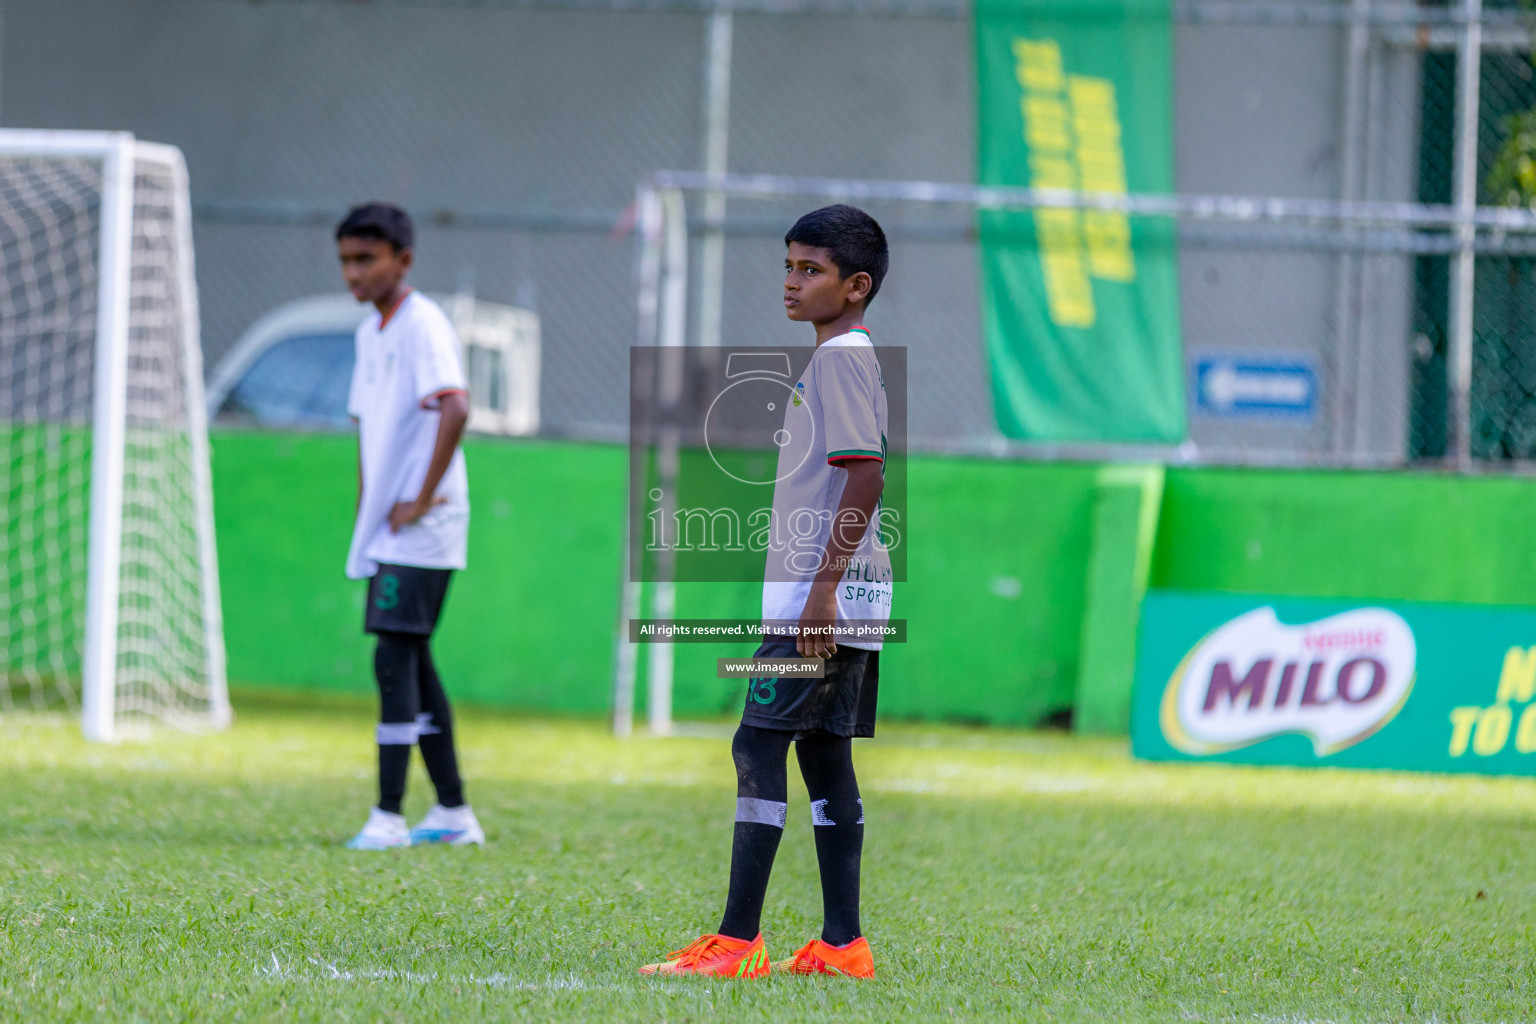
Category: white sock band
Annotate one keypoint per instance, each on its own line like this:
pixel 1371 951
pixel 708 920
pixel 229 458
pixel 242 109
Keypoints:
pixel 761 812
pixel 397 734
pixel 819 813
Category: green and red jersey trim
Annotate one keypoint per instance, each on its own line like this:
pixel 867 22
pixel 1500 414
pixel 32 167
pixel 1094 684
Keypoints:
pixel 435 399
pixel 849 454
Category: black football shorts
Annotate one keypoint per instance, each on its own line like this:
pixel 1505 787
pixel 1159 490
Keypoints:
pixel 842 704
pixel 405 599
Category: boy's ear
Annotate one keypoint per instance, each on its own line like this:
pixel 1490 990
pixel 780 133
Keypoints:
pixel 858 286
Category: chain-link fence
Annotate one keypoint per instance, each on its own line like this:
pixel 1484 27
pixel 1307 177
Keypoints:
pixel 516 131
pixel 1332 288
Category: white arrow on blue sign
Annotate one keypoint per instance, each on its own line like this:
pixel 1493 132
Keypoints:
pixel 1256 386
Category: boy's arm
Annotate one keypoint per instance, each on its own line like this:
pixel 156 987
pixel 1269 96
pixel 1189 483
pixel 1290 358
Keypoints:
pixel 866 480
pixel 453 413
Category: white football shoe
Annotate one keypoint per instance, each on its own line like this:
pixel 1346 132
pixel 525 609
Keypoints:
pixel 451 826
pixel 383 831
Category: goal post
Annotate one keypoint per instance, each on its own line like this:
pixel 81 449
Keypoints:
pixel 110 601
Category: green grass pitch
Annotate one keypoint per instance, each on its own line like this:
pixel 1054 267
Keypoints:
pixel 1008 875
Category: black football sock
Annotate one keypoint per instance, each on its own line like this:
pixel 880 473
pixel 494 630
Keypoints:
pixel 436 737
pixel 762 799
pixel 395 666
pixel 394 765
pixel 837 813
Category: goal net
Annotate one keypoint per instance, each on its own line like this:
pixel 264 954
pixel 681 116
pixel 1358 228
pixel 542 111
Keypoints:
pixel 110 602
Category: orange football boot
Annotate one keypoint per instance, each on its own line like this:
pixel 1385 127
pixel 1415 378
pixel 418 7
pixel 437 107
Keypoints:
pixel 717 955
pixel 817 957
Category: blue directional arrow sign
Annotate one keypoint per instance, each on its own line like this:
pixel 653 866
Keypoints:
pixel 1256 385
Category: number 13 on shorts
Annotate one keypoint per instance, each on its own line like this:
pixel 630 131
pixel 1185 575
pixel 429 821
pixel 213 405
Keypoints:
pixel 762 690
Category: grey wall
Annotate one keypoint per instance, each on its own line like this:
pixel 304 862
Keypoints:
pixel 1260 111
pixel 541 122
pixel 538 117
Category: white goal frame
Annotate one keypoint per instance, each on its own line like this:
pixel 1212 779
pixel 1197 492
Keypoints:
pixel 118 153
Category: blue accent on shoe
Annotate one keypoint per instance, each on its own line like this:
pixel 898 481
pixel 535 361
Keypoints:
pixel 435 835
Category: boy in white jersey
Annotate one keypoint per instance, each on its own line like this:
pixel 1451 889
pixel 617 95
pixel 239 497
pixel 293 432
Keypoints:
pixel 409 400
pixel 827 570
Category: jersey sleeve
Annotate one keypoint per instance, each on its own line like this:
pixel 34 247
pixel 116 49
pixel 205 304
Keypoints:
pixel 436 353
pixel 848 383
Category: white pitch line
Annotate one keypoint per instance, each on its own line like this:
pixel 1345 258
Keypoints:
pixel 330 972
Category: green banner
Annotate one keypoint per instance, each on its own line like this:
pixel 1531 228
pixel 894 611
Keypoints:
pixel 1348 684
pixel 1080 308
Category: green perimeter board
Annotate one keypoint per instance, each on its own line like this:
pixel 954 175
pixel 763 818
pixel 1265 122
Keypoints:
pixel 529 624
pixel 1461 654
pixel 995 589
pixel 1407 535
pixel 995 598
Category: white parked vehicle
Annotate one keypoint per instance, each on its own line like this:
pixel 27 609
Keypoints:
pixel 292 367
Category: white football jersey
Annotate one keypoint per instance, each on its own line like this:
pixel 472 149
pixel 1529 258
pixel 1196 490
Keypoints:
pixel 405 363
pixel 837 413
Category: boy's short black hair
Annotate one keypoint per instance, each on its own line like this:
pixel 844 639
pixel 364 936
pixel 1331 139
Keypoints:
pixel 852 239
pixel 383 221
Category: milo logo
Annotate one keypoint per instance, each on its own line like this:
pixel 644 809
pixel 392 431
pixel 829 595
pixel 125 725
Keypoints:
pixel 1335 681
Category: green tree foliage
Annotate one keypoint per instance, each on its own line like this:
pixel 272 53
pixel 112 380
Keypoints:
pixel 1512 178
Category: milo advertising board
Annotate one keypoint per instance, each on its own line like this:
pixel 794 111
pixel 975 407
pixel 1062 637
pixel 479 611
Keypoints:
pixel 1352 684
